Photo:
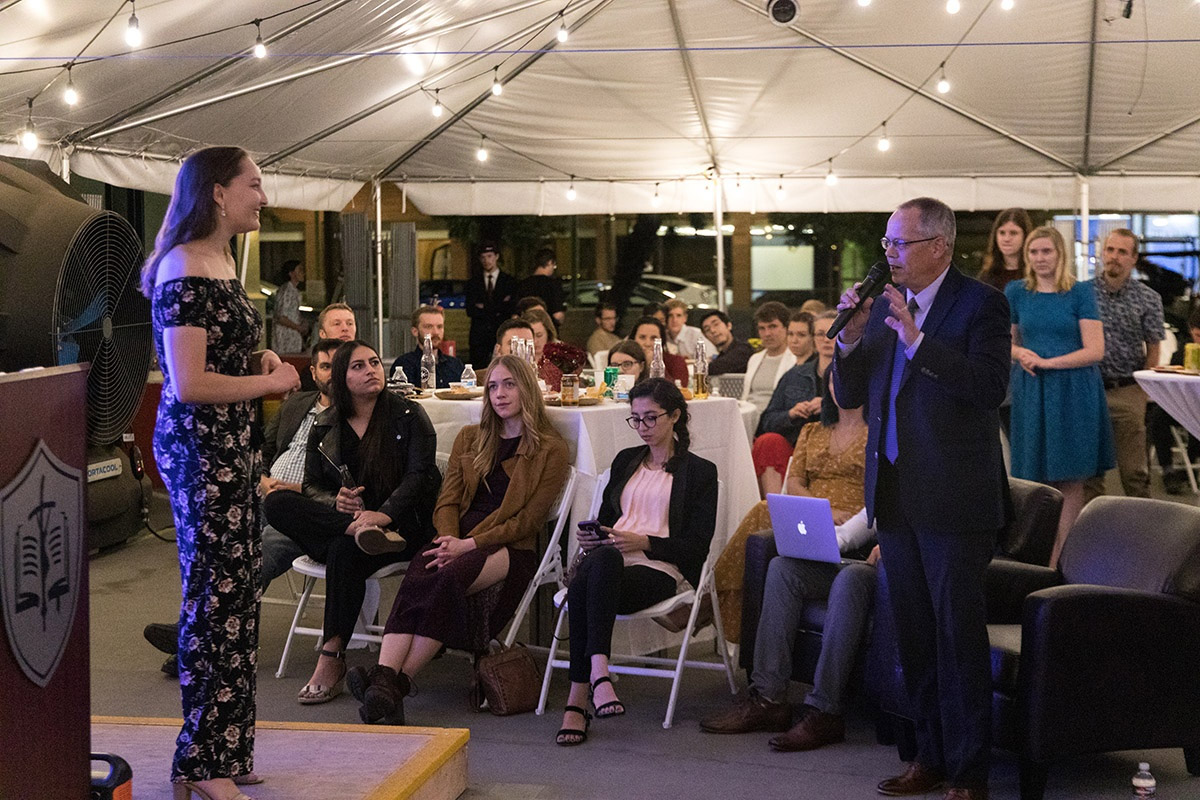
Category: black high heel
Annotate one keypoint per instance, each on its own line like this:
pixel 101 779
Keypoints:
pixel 559 738
pixel 613 708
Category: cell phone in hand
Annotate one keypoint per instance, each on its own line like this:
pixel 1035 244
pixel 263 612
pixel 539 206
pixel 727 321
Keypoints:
pixel 348 481
pixel 590 528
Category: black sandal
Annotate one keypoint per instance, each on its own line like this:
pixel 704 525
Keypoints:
pixel 613 708
pixel 582 734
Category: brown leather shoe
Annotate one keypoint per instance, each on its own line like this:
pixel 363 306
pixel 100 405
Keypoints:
pixel 963 793
pixel 815 729
pixel 915 780
pixel 753 712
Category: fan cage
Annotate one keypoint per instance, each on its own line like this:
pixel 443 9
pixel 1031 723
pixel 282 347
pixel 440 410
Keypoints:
pixel 101 316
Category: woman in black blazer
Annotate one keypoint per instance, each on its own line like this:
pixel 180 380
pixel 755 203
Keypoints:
pixel 656 523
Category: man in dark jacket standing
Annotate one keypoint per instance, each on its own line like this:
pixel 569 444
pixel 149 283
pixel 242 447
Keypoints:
pixel 491 299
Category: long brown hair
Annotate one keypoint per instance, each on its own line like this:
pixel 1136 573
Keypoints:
pixel 379 456
pixel 993 259
pixel 192 213
pixel 533 415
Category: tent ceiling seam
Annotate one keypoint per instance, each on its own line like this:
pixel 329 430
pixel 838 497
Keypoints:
pixel 483 97
pixel 693 85
pixel 1158 137
pixel 1084 168
pixel 403 94
pixel 100 128
pixel 994 128
pixel 316 70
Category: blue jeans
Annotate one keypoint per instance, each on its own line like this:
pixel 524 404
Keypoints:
pixel 850 593
pixel 278 553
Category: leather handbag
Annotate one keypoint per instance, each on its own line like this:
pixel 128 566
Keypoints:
pixel 507 679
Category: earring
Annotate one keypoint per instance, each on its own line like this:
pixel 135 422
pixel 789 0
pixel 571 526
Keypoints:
pixel 222 211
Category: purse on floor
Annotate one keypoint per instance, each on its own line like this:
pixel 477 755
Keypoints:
pixel 507 679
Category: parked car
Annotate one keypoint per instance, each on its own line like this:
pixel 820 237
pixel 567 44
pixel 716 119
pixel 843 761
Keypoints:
pixel 696 295
pixel 447 294
pixel 592 292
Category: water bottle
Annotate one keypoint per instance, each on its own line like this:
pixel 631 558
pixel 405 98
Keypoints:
pixel 1144 784
pixel 468 377
pixel 658 369
pixel 428 365
pixel 398 383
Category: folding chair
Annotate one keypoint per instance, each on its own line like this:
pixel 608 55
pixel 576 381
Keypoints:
pixel 366 631
pixel 1180 449
pixel 652 666
pixel 550 570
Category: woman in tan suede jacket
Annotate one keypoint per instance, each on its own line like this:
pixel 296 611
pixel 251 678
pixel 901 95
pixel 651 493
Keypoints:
pixel 502 479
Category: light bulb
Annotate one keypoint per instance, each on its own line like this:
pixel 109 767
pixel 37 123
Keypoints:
pixel 563 34
pixel 779 192
pixel 437 105
pixel 70 96
pixel 884 144
pixel 831 178
pixel 1007 5
pixel 571 194
pixel 497 89
pixel 29 139
pixel 864 3
pixel 482 154
pixel 260 49
pixel 656 201
pixel 943 85
pixel 133 33
pixel 953 6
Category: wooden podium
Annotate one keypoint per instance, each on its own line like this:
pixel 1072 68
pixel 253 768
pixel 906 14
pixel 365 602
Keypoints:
pixel 45 703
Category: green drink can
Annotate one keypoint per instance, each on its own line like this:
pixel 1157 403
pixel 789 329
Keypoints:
pixel 610 379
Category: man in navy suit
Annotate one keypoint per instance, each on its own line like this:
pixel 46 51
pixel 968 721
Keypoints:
pixel 491 299
pixel 930 357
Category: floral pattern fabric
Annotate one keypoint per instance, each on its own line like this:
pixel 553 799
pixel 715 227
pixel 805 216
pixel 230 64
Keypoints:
pixel 211 466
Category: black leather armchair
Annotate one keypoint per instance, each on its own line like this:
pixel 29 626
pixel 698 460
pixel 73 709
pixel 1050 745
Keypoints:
pixel 1100 655
pixel 1029 537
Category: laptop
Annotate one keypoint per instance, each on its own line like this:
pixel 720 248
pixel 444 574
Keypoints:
pixel 804 527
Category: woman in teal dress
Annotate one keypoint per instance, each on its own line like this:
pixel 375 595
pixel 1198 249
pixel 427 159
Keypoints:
pixel 1061 434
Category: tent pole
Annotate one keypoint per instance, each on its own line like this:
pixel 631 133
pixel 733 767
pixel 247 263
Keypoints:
pixel 1081 265
pixel 377 187
pixel 719 218
pixel 245 265
pixel 66 165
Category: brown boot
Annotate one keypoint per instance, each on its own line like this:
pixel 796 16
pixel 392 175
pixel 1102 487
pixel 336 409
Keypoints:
pixel 815 729
pixel 753 712
pixel 383 700
pixel 915 780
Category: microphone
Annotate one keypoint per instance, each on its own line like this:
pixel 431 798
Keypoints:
pixel 872 285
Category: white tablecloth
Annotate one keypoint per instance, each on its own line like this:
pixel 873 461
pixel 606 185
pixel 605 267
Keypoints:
pixel 1178 395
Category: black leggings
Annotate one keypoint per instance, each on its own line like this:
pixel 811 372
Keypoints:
pixel 604 587
pixel 320 530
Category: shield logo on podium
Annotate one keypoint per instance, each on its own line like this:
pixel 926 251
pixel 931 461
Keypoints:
pixel 41 557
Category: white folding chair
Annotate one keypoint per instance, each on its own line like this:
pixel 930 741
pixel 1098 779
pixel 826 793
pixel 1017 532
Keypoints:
pixel 1180 449
pixel 653 666
pixel 550 570
pixel 367 629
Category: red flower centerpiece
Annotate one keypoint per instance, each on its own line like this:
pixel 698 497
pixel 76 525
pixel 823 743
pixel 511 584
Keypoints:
pixel 558 359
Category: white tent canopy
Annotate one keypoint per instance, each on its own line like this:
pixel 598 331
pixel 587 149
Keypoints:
pixel 646 97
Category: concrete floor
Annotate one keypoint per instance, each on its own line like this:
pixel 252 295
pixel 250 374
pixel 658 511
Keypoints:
pixel 515 757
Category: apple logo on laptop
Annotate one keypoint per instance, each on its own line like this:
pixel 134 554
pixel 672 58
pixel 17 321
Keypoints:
pixel 800 527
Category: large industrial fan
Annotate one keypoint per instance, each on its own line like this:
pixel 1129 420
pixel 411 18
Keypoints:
pixel 69 294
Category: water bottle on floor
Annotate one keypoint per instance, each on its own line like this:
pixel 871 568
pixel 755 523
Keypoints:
pixel 1144 784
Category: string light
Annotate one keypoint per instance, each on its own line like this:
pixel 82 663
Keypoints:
pixel 1007 5
pixel 831 177
pixel 29 137
pixel 70 96
pixel 563 34
pixel 482 154
pixel 571 194
pixel 133 33
pixel 437 104
pixel 953 6
pixel 656 201
pixel 260 49
pixel 497 88
pixel 864 3
pixel 779 192
pixel 884 144
pixel 943 85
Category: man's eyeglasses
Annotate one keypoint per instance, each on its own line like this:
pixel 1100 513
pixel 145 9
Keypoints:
pixel 648 421
pixel 900 244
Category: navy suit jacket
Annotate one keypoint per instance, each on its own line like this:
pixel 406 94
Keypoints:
pixel 950 468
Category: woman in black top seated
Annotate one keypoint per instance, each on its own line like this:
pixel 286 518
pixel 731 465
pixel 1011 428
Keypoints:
pixel 656 522
pixel 369 471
